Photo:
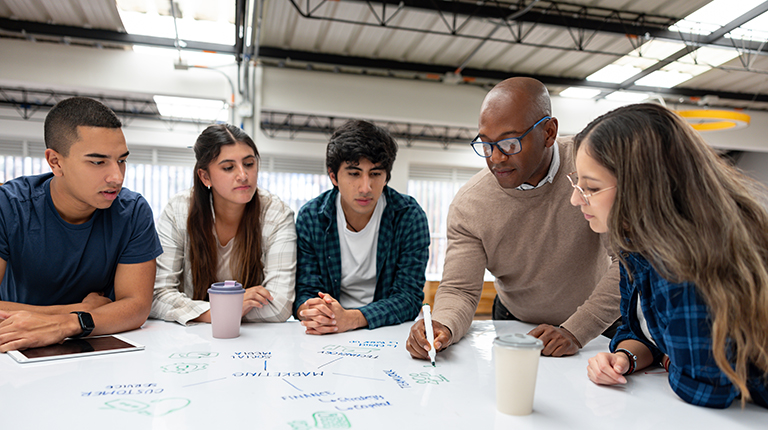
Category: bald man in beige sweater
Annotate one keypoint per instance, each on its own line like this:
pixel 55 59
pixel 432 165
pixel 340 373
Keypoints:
pixel 515 220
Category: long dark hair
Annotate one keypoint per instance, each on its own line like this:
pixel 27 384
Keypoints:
pixel 695 219
pixel 246 263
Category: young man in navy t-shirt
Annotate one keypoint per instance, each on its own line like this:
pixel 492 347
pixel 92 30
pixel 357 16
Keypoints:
pixel 77 251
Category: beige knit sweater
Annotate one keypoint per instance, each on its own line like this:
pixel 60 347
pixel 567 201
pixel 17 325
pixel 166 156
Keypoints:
pixel 550 267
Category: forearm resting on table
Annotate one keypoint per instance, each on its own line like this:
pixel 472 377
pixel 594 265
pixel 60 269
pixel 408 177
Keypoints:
pixel 643 354
pixel 122 315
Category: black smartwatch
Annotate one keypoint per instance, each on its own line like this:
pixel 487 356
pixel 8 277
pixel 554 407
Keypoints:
pixel 86 323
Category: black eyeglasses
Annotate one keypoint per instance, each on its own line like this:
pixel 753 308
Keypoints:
pixel 508 146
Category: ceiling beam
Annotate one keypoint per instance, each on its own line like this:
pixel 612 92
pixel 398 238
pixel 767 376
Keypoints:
pixel 494 75
pixel 564 15
pixel 107 36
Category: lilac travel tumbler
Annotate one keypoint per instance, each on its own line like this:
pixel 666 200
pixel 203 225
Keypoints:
pixel 226 308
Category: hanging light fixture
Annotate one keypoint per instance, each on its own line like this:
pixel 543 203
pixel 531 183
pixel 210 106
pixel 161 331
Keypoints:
pixel 715 119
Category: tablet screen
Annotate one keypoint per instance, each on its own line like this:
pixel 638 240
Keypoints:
pixel 71 348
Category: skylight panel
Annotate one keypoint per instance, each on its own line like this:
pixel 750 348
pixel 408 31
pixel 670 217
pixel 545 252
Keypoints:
pixel 641 63
pixel 198 21
pixel 657 49
pixel 755 30
pixel 711 17
pixel 636 61
pixel 614 73
pixel 663 79
pixel 690 69
pixel 710 56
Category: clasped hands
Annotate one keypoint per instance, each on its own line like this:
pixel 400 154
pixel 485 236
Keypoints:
pixel 324 315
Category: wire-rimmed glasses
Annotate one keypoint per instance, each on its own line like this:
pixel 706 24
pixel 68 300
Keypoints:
pixel 508 146
pixel 573 178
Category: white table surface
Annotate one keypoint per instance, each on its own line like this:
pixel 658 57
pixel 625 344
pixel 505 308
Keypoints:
pixel 276 377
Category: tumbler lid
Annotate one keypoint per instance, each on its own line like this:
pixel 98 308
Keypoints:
pixel 519 341
pixel 226 287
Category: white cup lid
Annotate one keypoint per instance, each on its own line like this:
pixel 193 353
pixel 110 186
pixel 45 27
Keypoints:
pixel 519 341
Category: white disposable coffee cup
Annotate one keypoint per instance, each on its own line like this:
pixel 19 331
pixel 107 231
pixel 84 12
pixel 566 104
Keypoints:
pixel 517 361
pixel 226 308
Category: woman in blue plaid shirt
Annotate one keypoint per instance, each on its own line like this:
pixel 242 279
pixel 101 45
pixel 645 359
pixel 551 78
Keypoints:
pixel 693 240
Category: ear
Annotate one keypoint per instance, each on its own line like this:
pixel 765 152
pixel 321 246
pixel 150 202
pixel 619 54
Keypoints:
pixel 550 131
pixel 333 178
pixel 54 161
pixel 203 175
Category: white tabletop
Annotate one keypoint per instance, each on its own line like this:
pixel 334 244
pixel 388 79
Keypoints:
pixel 276 377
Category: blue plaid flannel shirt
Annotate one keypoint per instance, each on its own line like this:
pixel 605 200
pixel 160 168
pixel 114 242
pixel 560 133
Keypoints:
pixel 678 320
pixel 401 257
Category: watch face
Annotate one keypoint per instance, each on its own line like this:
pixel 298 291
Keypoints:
pixel 86 321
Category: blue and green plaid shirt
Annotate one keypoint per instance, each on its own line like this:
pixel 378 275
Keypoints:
pixel 401 257
pixel 679 323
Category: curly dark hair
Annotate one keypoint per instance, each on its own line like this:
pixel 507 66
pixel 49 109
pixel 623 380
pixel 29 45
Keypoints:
pixel 357 139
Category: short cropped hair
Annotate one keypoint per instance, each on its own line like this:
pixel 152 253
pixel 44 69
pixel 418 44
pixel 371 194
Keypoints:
pixel 61 123
pixel 357 139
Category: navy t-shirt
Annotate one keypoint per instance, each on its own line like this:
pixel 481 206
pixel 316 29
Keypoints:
pixel 53 262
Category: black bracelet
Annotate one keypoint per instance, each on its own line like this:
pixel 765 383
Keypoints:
pixel 632 360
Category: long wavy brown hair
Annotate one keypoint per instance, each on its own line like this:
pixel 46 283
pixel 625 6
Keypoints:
pixel 246 259
pixel 694 218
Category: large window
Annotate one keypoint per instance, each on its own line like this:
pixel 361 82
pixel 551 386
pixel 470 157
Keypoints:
pixel 434 189
pixel 159 182
pixel 294 181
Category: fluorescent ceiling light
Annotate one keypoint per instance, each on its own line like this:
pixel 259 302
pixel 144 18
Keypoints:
pixel 709 18
pixel 208 21
pixel 663 79
pixel 579 93
pixel 191 108
pixel 614 73
pixel 627 97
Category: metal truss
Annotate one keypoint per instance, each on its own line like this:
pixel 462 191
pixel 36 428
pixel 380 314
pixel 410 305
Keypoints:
pixel 28 102
pixel 288 125
pixel 582 22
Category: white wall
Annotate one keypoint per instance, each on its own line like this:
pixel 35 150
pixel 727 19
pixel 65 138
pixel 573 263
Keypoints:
pixel 755 164
pixel 95 71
